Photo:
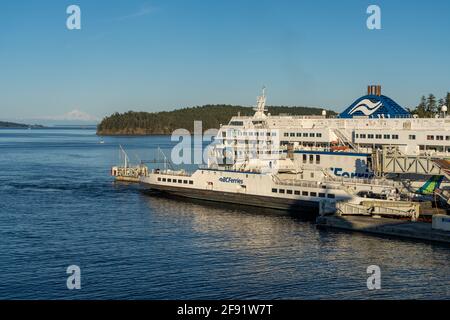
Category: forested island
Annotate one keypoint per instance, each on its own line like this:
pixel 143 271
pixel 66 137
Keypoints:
pixel 12 125
pixel 164 123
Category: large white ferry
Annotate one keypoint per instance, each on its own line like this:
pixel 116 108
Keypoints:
pixel 374 149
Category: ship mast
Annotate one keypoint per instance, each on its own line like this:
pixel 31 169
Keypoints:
pixel 125 157
pixel 260 105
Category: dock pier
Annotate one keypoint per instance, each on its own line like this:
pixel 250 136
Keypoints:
pixel 402 221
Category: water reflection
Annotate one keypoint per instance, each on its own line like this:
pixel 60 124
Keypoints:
pixel 286 253
pixel 59 208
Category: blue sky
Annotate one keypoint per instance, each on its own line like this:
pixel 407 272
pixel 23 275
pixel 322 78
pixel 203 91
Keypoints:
pixel 161 55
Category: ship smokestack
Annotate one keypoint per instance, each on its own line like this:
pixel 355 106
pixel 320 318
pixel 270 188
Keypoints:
pixel 374 90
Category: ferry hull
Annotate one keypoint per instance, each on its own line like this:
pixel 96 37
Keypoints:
pixel 289 205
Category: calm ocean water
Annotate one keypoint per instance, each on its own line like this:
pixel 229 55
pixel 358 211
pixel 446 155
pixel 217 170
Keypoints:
pixel 59 207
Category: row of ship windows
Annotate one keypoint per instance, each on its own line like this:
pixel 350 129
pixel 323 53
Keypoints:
pixel 438 138
pixel 249 134
pixel 319 135
pixel 246 141
pixel 380 136
pixel 176 181
pixel 304 193
pixel 240 153
pixel 304 134
pixel 311 159
pixel 396 137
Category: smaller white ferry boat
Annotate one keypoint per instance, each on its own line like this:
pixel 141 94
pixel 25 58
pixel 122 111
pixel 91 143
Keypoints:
pixel 285 191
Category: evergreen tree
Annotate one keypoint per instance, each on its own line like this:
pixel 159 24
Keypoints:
pixel 212 116
pixel 421 108
pixel 431 107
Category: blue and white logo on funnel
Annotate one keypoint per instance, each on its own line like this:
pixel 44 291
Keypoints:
pixel 367 107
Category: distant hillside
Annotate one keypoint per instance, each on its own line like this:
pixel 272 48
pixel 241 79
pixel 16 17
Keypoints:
pixel 145 123
pixel 13 125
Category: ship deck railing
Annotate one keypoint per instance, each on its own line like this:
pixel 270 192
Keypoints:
pixel 356 181
pixel 302 183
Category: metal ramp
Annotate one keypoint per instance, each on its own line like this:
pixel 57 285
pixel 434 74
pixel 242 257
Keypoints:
pixel 379 209
pixel 444 165
pixel 444 195
pixel 345 140
pixel 393 161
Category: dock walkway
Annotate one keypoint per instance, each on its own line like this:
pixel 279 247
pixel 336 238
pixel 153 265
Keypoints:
pixel 385 226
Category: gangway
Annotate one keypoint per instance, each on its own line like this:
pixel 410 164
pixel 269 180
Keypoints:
pixel 378 209
pixel 393 161
pixel 344 139
pixel 390 160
